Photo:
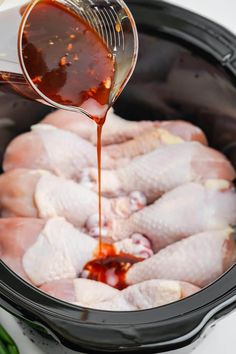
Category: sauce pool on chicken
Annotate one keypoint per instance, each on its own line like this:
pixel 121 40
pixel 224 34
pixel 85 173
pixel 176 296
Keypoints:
pixel 110 268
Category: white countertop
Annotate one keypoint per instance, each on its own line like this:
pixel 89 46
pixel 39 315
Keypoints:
pixel 222 340
pixel 220 11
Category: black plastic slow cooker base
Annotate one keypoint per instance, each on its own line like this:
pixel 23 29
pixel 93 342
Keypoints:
pixel 186 70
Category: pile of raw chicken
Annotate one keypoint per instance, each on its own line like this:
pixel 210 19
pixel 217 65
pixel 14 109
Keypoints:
pixel 168 198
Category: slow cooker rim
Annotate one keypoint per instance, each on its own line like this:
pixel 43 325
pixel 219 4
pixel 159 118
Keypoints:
pixel 227 294
pixel 66 305
pixel 208 31
pixel 203 315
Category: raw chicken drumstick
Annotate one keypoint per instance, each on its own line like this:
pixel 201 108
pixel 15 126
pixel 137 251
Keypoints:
pixel 16 236
pixel 183 129
pixel 199 259
pixel 151 140
pixel 182 212
pixel 43 252
pixel 141 145
pixel 83 291
pixel 149 294
pixel 146 295
pixel 53 149
pixel 38 193
pixel 118 130
pixel 66 154
pixel 164 169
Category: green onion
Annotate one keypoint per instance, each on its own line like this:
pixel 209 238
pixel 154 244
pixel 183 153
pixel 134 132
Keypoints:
pixel 7 345
pixel 12 349
pixel 4 336
pixel 3 349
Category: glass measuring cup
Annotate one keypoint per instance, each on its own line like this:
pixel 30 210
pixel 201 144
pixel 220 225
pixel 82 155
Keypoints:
pixel 112 21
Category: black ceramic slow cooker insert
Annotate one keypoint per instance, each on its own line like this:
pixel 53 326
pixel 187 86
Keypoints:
pixel 186 70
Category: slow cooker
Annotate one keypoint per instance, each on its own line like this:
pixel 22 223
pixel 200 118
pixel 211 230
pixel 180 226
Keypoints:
pixel 186 70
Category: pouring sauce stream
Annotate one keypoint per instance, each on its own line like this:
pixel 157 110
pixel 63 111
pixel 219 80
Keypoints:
pixel 69 63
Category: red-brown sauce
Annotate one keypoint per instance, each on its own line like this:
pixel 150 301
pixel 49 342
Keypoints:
pixel 70 64
pixel 65 58
pixel 99 158
pixel 111 268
